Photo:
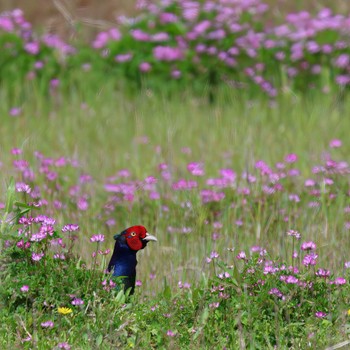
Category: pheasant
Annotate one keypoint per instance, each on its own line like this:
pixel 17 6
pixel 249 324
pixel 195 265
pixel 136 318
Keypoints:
pixel 123 261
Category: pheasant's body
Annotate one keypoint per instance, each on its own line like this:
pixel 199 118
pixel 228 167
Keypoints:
pixel 123 262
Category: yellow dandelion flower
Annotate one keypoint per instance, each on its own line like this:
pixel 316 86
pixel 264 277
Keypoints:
pixel 64 310
pixel 349 312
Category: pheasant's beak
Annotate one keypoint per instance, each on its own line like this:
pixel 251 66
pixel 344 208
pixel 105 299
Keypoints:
pixel 149 238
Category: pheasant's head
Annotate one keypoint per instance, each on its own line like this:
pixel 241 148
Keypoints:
pixel 137 237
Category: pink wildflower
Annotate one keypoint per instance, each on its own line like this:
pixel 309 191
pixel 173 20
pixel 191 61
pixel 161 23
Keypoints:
pixel 97 238
pixel 25 289
pixel 47 324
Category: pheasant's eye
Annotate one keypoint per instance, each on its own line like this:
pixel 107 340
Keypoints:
pixel 132 234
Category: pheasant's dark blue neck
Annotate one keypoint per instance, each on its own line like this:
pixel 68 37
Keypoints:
pixel 123 263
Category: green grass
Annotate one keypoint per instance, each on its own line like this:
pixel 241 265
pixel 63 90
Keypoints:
pixel 105 135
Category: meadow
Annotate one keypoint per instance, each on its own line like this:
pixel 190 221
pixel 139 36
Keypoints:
pixel 246 191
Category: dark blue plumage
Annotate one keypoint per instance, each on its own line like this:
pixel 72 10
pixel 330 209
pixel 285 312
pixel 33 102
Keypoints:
pixel 123 261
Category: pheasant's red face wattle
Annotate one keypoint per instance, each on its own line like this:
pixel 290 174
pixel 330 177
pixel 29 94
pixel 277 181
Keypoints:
pixel 137 237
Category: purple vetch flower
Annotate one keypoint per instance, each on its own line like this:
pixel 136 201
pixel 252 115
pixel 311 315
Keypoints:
pixel 59 256
pixel 316 69
pixel 82 204
pixel 32 48
pixel 291 158
pixel 97 238
pixel 167 53
pixel 313 204
pixel 47 324
pixel 224 275
pixel 335 143
pixel 347 264
pixel 138 283
pixel 77 301
pixel 29 338
pixel 84 178
pixel 6 24
pixel 153 308
pixel 158 37
pixel 215 236
pixel 170 333
pixel 214 255
pixel 145 67
pixel 342 61
pixel 320 314
pixel 343 80
pixel 38 237
pixel 184 185
pixel 269 269
pixel 121 58
pixel 37 256
pixel 339 281
pixel 100 40
pixel 16 151
pixel 310 259
pixel 308 246
pixel 64 346
pixel 140 35
pixel 21 165
pixel 108 286
pixel 104 252
pixel 150 180
pixel 255 249
pixel 24 289
pixel 15 111
pixel 217 225
pixel 214 305
pixel 154 195
pixel 115 34
pixel 294 198
pixel 70 228
pixel 294 233
pixel 201 27
pixel 277 293
pixel 294 172
pixel 241 255
pixel 211 196
pixel 323 273
pixel 195 169
pixel 291 279
pixel 176 74
pixel 44 220
pixel 328 181
pixel 167 17
pixel 110 222
pixel 54 83
pixel 228 174
pixel 22 187
pixel 309 183
pixel 185 285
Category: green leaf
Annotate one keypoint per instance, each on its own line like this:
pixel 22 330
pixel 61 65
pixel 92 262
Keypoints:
pixel 120 298
pixel 167 292
pixel 204 316
pixel 24 205
pixel 99 339
pixel 11 191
